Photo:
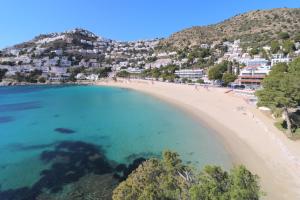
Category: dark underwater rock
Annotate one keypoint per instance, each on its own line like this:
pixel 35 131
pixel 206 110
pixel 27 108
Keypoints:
pixel 20 106
pixel 69 162
pixel 64 130
pixel 6 119
pixel 92 187
pixel 146 155
pixel 122 171
pixel 24 147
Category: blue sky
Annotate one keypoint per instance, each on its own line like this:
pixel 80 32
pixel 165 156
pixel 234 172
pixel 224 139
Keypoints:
pixel 21 20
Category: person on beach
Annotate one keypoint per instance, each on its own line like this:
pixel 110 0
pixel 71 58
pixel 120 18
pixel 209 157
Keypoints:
pixel 206 87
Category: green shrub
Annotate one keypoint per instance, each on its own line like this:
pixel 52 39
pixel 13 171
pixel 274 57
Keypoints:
pixel 170 179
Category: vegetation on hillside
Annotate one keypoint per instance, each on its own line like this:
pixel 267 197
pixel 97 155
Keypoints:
pixel 34 76
pixel 167 73
pixel 256 28
pixel 123 74
pixel 170 179
pixel 2 73
pixel 222 72
pixel 197 57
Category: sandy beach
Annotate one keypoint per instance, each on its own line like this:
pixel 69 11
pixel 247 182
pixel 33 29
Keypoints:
pixel 247 133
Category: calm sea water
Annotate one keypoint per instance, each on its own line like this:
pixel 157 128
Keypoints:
pixel 123 123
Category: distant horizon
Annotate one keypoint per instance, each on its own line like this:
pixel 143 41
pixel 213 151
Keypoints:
pixel 117 20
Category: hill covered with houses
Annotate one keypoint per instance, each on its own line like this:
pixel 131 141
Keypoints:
pixel 56 54
pixel 242 49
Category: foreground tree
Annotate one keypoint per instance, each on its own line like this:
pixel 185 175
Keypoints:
pixel 281 89
pixel 214 183
pixel 170 179
pixel 155 179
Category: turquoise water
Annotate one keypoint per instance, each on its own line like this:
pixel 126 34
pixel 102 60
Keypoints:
pixel 125 124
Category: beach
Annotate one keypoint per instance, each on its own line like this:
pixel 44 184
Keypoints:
pixel 248 134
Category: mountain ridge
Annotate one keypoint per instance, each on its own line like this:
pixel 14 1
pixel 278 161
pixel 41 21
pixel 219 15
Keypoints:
pixel 258 26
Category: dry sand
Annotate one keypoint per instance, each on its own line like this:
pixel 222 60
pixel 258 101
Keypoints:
pixel 248 134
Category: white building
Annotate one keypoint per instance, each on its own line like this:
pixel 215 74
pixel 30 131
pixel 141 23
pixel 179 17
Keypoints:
pixel 279 58
pixel 80 76
pixel 59 70
pixel 205 46
pixel 253 75
pixel 92 77
pixel 64 62
pixel 189 73
pixel 58 52
pixel 254 62
pixel 134 70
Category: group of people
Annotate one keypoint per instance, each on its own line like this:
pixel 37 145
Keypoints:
pixel 204 86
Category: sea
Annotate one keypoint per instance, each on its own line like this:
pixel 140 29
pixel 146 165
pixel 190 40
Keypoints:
pixel 52 136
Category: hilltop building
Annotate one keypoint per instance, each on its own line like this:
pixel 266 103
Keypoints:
pixel 279 58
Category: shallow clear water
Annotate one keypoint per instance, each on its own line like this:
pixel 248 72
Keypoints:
pixel 125 124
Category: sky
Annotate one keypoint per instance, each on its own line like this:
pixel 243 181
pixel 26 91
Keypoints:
pixel 21 20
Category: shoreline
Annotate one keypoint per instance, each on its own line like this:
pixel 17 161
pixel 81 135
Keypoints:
pixel 45 84
pixel 248 135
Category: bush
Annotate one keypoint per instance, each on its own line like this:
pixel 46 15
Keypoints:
pixel 170 179
pixel 123 74
pixel 2 73
pixel 200 81
pixel 42 79
pixel 282 126
pixel 228 78
pixel 216 72
pixel 283 35
pixel 277 112
pixel 297 38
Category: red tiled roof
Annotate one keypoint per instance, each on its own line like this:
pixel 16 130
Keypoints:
pixel 252 76
pixel 250 81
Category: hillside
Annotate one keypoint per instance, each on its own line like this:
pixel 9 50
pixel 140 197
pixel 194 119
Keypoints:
pixel 62 56
pixel 255 28
pixel 75 46
pixel 63 40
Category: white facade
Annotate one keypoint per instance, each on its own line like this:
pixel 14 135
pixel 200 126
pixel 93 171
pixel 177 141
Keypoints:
pixel 80 76
pixel 255 62
pixel 253 75
pixel 190 73
pixel 134 70
pixel 279 58
pixel 92 77
pixel 261 70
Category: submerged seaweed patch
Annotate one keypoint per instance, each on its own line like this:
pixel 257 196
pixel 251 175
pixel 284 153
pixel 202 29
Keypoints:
pixel 134 156
pixel 6 119
pixel 70 160
pixel 64 130
pixel 23 147
pixel 56 115
pixel 20 106
pixel 21 89
pixel 104 137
